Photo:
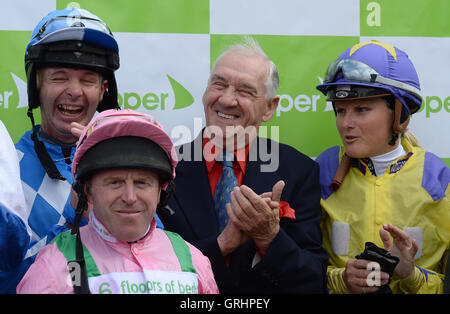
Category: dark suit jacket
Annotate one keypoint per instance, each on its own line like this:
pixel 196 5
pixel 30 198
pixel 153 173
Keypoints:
pixel 295 261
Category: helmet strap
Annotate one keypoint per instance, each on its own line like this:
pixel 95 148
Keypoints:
pixel 82 287
pixel 398 126
pixel 344 166
pixel 164 199
pixel 81 205
pixel 45 159
pixel 394 139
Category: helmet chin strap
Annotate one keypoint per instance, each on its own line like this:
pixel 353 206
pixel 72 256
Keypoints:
pixel 165 196
pixel 344 166
pixel 44 157
pixel 393 139
pixel 398 126
pixel 82 287
pixel 81 205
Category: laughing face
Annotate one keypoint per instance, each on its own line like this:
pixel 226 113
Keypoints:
pixel 235 96
pixel 68 95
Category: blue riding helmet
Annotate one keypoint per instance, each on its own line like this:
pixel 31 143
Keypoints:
pixel 74 38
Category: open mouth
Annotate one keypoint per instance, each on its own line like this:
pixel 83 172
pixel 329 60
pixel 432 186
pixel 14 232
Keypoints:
pixel 226 116
pixel 70 110
pixel 350 139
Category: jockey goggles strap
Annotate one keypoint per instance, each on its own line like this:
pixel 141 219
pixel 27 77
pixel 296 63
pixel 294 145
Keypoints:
pixel 357 71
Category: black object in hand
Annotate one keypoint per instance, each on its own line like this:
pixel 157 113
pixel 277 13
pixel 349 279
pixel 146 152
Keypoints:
pixel 386 261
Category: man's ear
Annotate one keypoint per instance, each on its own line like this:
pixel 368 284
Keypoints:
pixel 204 97
pixel 159 194
pixel 103 88
pixel 87 192
pixel 270 109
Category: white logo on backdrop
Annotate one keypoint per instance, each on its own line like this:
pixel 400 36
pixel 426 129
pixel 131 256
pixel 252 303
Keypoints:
pixel 21 90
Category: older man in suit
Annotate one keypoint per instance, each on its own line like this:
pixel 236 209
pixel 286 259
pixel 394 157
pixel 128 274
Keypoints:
pixel 264 236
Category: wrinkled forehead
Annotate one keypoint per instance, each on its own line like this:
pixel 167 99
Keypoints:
pixel 242 65
pixel 123 173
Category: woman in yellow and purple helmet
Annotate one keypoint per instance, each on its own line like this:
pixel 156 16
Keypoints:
pixel 385 200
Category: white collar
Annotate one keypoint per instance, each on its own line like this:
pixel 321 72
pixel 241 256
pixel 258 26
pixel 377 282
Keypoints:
pixel 104 233
pixel 100 228
pixel 382 162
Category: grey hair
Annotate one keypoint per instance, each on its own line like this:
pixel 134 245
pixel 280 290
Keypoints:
pixel 249 47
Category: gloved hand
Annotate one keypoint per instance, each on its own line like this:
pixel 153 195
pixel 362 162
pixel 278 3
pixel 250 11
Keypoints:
pixel 386 261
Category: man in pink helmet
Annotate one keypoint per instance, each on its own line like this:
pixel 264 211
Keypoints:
pixel 123 168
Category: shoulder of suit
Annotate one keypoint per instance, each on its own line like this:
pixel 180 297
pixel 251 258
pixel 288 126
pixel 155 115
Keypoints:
pixel 287 151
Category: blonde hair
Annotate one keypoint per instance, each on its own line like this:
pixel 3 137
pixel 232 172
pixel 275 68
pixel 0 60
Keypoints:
pixel 411 138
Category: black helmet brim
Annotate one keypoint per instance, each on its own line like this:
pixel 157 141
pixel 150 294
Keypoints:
pixel 125 152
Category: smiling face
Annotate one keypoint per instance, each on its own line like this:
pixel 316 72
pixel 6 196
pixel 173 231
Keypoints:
pixel 235 95
pixel 365 126
pixel 68 95
pixel 124 200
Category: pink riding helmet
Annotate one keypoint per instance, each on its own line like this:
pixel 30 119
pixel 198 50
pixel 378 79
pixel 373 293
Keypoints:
pixel 124 138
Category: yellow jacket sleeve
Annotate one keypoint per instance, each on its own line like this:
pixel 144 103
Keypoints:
pixel 336 284
pixel 421 281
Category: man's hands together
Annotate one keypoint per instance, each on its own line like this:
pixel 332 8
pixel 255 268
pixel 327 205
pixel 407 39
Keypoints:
pixel 251 216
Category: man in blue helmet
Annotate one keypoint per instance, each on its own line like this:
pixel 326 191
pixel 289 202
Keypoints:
pixel 381 184
pixel 70 63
